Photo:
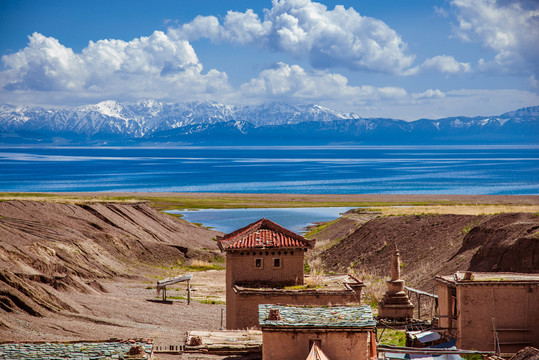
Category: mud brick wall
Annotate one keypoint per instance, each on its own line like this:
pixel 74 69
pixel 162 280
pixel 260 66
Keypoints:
pixel 511 308
pixel 241 267
pixel 294 344
pixel 242 308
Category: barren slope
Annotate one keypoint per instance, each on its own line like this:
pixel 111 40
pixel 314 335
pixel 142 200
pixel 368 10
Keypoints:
pixel 47 249
pixel 440 244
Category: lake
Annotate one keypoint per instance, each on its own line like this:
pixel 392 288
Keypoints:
pixel 228 220
pixel 303 169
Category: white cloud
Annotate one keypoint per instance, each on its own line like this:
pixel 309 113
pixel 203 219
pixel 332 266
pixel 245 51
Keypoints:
pixel 238 28
pixel 154 66
pixel 440 11
pixel 443 64
pixel 510 28
pixel 44 65
pixel 292 83
pixel 329 38
pixel 465 102
pixel 532 82
pixel 429 94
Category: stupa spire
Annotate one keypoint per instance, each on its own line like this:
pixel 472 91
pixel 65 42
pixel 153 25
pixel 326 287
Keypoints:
pixel 395 304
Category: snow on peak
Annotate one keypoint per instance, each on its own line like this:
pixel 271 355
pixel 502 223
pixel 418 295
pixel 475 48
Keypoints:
pixel 110 108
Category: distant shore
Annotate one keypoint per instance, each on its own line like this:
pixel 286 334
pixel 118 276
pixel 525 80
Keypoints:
pixel 431 198
pixel 388 204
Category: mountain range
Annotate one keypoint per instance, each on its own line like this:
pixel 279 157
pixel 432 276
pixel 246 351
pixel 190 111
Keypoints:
pixel 211 123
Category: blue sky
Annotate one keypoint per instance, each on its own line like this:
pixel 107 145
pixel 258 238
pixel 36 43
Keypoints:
pixel 377 58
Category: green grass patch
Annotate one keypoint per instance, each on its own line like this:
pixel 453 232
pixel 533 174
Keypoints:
pixel 319 228
pixel 204 267
pixel 212 302
pixel 392 337
pixel 302 287
pixel 217 201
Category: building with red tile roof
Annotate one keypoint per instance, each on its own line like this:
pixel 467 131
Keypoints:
pixel 262 259
pixel 263 234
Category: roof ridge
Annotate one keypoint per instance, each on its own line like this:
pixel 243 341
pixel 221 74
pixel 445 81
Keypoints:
pixel 262 224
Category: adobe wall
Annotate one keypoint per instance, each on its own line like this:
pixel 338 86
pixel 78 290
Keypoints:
pixel 445 306
pixel 294 344
pixel 241 266
pixel 242 309
pixel 513 308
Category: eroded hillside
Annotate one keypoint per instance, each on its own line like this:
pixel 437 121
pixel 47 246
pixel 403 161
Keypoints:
pixel 439 244
pixel 48 248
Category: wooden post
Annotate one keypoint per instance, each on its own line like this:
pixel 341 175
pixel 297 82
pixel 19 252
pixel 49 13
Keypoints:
pixel 222 318
pixel 419 306
pixel 188 292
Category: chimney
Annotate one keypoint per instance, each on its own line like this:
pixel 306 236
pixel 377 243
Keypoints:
pixel 274 314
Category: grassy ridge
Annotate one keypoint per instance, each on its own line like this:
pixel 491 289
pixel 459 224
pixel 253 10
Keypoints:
pixel 387 205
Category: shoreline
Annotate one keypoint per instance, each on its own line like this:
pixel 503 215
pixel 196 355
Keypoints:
pixel 345 198
pixel 387 204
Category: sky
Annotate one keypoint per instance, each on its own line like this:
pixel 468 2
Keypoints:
pixel 376 58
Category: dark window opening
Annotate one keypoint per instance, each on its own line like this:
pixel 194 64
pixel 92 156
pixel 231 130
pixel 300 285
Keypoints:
pixel 258 263
pixel 276 263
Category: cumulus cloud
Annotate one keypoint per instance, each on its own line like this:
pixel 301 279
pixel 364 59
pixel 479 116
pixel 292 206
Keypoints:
pixel 469 102
pixel 237 28
pixel 443 64
pixel 510 28
pixel 151 66
pixel 44 64
pixel 292 83
pixel 329 38
pixel 287 82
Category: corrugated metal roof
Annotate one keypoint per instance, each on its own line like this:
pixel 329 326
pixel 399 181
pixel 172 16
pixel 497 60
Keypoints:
pixel 262 234
pixel 318 317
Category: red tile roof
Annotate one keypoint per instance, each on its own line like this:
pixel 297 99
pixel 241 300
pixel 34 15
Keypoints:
pixel 262 234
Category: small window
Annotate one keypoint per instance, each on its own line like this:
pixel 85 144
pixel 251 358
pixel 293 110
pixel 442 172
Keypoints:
pixel 276 262
pixel 258 263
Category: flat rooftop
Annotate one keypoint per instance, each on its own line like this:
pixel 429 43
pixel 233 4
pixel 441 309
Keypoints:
pixel 316 283
pixel 489 277
pixel 317 317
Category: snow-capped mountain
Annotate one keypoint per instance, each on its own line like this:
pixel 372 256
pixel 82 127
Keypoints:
pixel 143 118
pixel 275 123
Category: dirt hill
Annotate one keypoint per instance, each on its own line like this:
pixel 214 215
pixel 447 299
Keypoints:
pixel 48 248
pixel 438 244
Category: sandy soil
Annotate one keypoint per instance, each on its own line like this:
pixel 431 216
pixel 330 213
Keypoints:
pixel 125 312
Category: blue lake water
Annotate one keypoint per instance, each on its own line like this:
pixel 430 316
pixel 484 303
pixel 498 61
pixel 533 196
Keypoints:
pixel 322 169
pixel 228 220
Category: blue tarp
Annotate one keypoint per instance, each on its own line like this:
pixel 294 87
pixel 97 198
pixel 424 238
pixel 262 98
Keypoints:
pixel 450 345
